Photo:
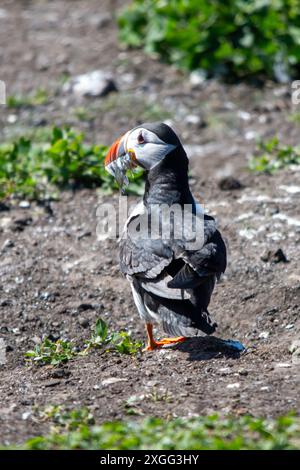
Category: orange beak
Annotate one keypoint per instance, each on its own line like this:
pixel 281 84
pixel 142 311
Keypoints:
pixel 116 150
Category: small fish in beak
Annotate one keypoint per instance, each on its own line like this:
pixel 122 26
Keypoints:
pixel 118 161
pixel 118 169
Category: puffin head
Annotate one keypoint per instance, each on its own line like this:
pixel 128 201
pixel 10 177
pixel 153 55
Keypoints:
pixel 145 146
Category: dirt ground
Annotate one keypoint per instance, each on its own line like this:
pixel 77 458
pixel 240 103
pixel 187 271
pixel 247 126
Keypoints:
pixel 57 279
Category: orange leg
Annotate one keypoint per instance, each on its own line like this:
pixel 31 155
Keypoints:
pixel 152 344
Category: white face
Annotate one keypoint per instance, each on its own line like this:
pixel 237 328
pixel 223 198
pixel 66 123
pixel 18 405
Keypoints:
pixel 149 149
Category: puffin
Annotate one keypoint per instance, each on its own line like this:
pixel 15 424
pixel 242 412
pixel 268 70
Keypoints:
pixel 172 279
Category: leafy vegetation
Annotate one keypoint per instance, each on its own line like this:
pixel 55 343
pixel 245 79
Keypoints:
pixel 51 352
pixel 75 430
pixel 233 38
pixel 273 156
pixel 39 97
pixel 61 351
pixel 121 342
pixel 34 169
pixel 64 418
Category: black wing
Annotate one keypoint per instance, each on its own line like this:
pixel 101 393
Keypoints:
pixel 148 258
pixel 199 265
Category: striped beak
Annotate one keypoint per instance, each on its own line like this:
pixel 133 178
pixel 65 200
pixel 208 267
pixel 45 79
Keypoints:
pixel 118 160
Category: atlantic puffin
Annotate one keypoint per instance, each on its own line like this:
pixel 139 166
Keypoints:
pixel 171 283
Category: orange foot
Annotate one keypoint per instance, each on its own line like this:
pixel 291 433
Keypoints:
pixel 163 342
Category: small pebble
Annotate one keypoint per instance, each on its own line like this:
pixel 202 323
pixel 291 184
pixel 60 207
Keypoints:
pixel 24 205
pixel 264 335
pixel 84 322
pixel 233 386
pixel 229 183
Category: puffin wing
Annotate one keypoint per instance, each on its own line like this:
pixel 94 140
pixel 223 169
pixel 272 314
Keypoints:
pixel 141 255
pixel 152 261
pixel 199 265
pixel 149 261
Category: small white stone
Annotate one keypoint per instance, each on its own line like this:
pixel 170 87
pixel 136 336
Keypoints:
pixel 112 380
pixel 283 365
pixel 276 236
pixel 262 119
pixel 24 204
pixel 233 386
pixel 193 119
pixel 197 77
pixel 225 370
pixel 245 216
pixel 250 135
pixel 95 83
pixel 290 189
pixel 244 115
pixel 247 233
pixel 26 415
pixel 264 335
pixel 12 118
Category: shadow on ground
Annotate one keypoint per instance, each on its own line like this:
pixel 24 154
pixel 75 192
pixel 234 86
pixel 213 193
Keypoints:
pixel 207 347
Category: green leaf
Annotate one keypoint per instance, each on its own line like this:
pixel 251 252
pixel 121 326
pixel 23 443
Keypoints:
pixel 101 329
pixel 35 169
pixel 236 39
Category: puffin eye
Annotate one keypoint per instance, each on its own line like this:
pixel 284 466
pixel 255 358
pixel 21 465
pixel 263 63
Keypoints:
pixel 140 138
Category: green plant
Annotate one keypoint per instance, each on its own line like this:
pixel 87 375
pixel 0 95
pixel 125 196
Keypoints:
pixel 60 351
pixel 34 169
pixel 65 418
pixel 99 336
pixel 121 342
pixel 39 97
pixel 132 406
pixel 233 38
pixel 273 156
pixel 157 395
pixel 199 433
pixel 51 352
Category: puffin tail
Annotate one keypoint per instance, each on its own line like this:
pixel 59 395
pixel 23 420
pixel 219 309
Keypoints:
pixel 176 327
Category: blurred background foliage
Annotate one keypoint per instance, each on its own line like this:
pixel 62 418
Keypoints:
pixel 230 39
pixel 36 170
pixel 233 38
